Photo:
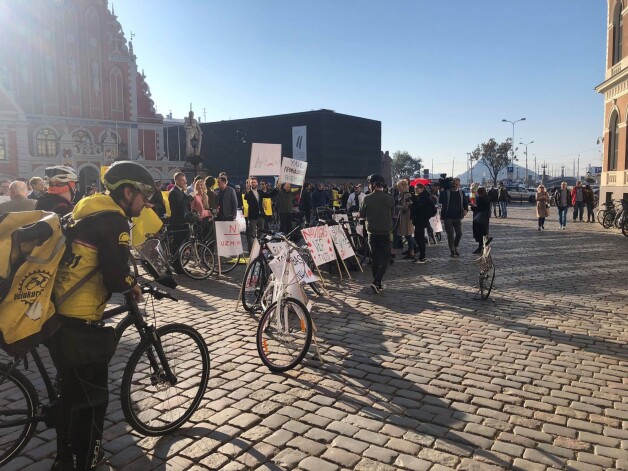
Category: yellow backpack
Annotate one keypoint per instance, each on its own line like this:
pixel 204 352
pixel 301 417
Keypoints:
pixel 31 246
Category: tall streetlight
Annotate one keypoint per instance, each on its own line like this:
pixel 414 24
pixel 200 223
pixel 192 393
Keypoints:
pixel 526 144
pixel 512 149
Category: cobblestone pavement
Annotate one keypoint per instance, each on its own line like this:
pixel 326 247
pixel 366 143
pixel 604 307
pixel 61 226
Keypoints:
pixel 423 376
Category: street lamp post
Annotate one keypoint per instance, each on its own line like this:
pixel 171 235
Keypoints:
pixel 512 149
pixel 526 144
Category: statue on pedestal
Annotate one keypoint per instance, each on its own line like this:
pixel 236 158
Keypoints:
pixel 192 130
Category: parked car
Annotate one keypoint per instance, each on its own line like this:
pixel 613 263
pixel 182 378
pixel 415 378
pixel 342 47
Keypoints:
pixel 520 193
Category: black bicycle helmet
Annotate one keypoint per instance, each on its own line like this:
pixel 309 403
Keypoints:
pixel 376 180
pixel 130 173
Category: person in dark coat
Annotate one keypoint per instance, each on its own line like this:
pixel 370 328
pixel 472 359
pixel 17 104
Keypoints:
pixel 420 210
pixel 305 203
pixel 481 217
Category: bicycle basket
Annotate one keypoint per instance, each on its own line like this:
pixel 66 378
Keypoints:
pixel 155 263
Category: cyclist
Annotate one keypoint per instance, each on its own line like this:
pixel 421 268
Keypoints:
pixel 61 190
pixel 95 266
pixel 378 209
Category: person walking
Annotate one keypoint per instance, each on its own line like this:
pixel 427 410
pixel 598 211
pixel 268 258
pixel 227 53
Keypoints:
pixel 377 209
pixel 542 206
pixel 502 198
pixel 454 207
pixel 423 206
pixel 562 200
pixel 481 217
pixel 589 201
pixel 577 201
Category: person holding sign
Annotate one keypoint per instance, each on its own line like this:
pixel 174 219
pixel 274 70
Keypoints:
pixel 378 209
pixel 254 199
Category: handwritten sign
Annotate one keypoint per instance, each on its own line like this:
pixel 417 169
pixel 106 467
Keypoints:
pixel 228 238
pixel 299 268
pixel 319 244
pixel 292 171
pixel 343 246
pixel 265 159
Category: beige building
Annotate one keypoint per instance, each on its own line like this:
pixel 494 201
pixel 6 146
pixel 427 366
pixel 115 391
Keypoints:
pixel 614 180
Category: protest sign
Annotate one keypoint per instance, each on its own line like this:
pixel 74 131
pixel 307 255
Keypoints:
pixel 299 267
pixel 292 171
pixel 343 246
pixel 265 159
pixel 228 238
pixel 319 244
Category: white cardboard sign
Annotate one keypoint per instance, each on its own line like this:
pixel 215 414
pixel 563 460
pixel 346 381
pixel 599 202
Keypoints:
pixel 292 171
pixel 298 269
pixel 343 246
pixel 228 238
pixel 319 244
pixel 265 159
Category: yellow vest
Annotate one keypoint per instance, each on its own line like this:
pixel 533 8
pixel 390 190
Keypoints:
pixel 267 206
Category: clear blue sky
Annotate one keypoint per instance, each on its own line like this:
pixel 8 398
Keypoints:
pixel 439 75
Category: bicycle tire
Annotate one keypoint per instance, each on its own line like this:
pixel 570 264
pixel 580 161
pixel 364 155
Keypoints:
pixel 600 216
pixel 18 401
pixel 274 345
pixel 197 267
pixel 253 284
pixel 226 263
pixel 487 277
pixel 624 227
pixel 608 220
pixel 159 407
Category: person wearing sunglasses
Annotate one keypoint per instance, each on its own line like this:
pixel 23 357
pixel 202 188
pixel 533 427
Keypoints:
pixel 95 265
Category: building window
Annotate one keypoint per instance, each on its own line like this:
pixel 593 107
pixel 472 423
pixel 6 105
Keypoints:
pixel 117 90
pixel 46 143
pixel 3 149
pixel 618 31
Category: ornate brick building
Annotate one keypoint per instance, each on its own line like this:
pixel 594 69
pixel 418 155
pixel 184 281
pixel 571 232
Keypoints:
pixel 70 91
pixel 614 181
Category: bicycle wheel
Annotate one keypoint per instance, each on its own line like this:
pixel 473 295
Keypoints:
pixel 608 220
pixel 152 404
pixel 197 260
pixel 283 339
pixel 624 227
pixel 487 276
pixel 227 263
pixel 600 216
pixel 18 402
pixel 253 284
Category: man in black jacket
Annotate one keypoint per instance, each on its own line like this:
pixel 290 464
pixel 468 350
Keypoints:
pixel 179 207
pixel 454 207
pixel 492 196
pixel 421 205
pixel 253 198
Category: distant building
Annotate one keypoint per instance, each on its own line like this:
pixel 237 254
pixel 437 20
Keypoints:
pixel 614 179
pixel 337 147
pixel 70 92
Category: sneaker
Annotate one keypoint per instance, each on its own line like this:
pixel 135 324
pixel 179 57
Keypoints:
pixel 375 288
pixel 563 228
pixel 420 260
pixel 380 287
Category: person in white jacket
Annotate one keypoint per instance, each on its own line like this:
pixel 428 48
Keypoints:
pixel 352 204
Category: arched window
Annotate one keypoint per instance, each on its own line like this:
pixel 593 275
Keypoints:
pixel 613 142
pixel 117 90
pixel 46 141
pixel 618 31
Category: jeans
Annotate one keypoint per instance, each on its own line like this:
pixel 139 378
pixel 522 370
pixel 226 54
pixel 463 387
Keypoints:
pixel 562 215
pixel 451 226
pixel 503 208
pixel 380 255
pixel 419 237
pixel 578 210
pixel 252 228
pixel 590 216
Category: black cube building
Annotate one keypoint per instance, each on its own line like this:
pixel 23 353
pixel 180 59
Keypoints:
pixel 339 147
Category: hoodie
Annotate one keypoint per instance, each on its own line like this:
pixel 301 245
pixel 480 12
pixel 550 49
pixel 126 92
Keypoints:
pixel 99 251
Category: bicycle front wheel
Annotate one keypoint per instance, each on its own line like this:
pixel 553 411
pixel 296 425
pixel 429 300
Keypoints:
pixel 600 216
pixel 18 403
pixel 283 338
pixel 197 260
pixel 227 263
pixel 487 276
pixel 608 220
pixel 253 284
pixel 154 404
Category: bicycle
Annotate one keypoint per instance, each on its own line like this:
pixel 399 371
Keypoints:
pixel 487 269
pixel 163 382
pixel 284 332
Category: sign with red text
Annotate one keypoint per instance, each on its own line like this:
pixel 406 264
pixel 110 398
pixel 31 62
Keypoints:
pixel 228 238
pixel 341 242
pixel 319 244
pixel 292 171
pixel 265 159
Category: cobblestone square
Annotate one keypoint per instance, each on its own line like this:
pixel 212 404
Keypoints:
pixel 424 376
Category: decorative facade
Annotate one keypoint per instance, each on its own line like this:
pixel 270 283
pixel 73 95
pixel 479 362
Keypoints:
pixel 614 179
pixel 70 92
